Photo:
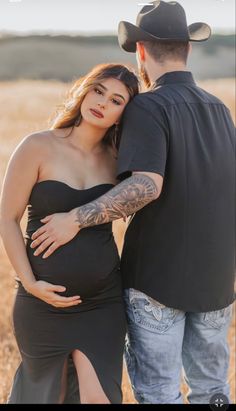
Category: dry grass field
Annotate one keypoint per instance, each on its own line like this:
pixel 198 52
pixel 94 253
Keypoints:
pixel 25 108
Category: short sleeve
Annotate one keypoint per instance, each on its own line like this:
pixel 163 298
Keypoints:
pixel 144 140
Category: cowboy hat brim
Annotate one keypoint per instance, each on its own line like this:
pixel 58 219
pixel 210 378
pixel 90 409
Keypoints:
pixel 129 34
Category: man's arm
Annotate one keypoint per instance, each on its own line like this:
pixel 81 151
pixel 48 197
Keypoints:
pixel 124 199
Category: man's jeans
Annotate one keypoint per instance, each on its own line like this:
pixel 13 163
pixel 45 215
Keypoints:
pixel 161 340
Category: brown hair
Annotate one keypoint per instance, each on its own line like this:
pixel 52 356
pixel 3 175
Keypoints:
pixel 162 50
pixel 68 114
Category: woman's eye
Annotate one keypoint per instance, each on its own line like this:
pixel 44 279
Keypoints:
pixel 97 91
pixel 116 102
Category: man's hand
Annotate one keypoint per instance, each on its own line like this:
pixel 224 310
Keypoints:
pixel 58 229
pixel 124 199
pixel 48 293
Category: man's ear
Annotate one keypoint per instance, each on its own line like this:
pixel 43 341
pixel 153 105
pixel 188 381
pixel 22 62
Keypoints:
pixel 190 47
pixel 141 51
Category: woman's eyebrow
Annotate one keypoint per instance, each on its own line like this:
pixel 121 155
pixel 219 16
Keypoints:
pixel 115 94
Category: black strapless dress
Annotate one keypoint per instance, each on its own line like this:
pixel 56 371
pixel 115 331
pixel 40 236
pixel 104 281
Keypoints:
pixel 46 336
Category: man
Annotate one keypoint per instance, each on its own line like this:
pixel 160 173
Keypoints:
pixel 177 167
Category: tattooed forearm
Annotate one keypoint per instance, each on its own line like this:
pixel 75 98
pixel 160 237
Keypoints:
pixel 124 199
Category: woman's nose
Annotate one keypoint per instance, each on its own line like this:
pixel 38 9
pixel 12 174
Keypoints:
pixel 101 105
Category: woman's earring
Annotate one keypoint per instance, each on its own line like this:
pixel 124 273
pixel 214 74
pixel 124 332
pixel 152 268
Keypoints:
pixel 116 130
pixel 78 121
pixel 116 134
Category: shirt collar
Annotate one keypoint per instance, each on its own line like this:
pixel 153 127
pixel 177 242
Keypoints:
pixel 174 77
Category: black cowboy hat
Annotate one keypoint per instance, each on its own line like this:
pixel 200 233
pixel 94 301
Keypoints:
pixel 160 20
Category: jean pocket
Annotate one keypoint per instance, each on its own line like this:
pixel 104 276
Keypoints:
pixel 150 314
pixel 219 318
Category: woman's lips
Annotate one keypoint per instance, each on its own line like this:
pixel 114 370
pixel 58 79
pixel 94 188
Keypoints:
pixel 96 113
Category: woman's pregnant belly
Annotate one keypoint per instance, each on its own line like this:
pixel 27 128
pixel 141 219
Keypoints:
pixel 84 265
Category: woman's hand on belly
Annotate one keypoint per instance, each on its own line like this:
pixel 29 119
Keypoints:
pixel 48 293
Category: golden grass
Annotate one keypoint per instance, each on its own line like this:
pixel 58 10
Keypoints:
pixel 25 107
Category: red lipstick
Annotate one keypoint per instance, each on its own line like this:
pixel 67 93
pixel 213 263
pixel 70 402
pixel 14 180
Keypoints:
pixel 96 113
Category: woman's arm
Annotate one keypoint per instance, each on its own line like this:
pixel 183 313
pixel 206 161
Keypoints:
pixel 21 175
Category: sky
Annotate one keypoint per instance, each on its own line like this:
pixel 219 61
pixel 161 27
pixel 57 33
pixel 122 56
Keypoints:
pixel 101 16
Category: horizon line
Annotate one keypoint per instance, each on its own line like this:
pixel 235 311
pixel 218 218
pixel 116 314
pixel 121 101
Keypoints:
pixel 87 33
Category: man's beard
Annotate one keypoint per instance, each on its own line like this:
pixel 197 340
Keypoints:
pixel 144 76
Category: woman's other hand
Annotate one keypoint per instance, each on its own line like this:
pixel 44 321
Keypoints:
pixel 48 293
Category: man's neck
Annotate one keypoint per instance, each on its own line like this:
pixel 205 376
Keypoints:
pixel 155 70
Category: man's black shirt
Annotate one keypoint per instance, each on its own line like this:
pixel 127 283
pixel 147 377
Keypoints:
pixel 180 248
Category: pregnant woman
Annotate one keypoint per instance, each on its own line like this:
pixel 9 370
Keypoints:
pixel 68 306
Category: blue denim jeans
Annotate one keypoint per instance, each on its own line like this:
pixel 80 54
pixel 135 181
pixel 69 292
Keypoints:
pixel 162 341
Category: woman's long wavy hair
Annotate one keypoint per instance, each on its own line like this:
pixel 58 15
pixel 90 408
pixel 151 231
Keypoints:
pixel 68 114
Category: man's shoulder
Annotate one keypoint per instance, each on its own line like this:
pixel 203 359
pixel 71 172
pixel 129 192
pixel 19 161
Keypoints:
pixel 210 98
pixel 148 96
pixel 145 101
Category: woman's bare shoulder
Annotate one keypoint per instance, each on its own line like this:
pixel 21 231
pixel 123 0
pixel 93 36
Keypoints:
pixel 39 140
